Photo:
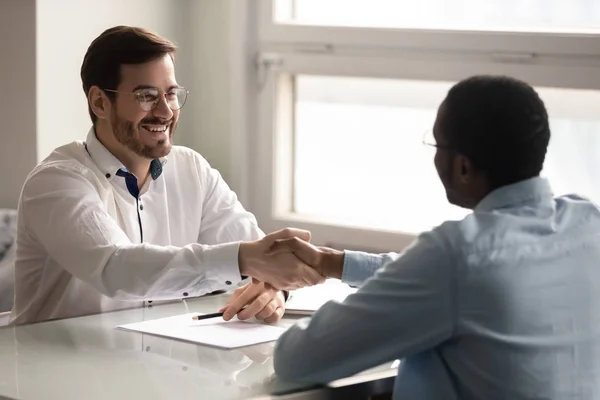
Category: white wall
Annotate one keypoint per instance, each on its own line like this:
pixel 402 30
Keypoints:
pixel 17 97
pixel 210 97
pixel 65 29
pixel 223 78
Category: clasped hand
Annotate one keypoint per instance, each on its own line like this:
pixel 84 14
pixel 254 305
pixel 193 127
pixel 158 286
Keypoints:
pixel 272 270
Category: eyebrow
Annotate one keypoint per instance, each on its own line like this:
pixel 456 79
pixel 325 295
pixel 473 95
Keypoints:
pixel 140 87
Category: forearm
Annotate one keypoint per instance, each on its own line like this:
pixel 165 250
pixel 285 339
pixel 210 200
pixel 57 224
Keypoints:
pixel 369 328
pixel 359 266
pixel 136 272
pixel 401 310
pixel 72 224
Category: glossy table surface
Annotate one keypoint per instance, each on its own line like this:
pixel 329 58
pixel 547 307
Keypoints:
pixel 88 358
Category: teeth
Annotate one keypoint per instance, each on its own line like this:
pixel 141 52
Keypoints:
pixel 156 128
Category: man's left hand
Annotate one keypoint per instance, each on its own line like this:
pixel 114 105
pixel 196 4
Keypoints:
pixel 262 301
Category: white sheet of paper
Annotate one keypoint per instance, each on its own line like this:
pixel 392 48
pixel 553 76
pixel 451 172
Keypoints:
pixel 309 299
pixel 212 332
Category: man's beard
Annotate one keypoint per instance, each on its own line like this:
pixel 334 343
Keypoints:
pixel 127 134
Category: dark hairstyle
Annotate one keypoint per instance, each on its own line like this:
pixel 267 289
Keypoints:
pixel 117 46
pixel 500 124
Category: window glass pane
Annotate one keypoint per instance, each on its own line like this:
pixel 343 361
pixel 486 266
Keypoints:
pixel 504 15
pixel 360 161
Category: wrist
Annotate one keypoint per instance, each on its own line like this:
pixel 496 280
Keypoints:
pixel 244 255
pixel 333 263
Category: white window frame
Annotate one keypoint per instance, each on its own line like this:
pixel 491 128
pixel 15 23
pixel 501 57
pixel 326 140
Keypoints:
pixel 566 60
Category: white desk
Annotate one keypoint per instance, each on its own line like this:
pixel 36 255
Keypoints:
pixel 87 358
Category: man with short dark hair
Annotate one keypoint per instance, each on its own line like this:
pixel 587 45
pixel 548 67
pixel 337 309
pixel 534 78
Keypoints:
pixel 126 217
pixel 504 304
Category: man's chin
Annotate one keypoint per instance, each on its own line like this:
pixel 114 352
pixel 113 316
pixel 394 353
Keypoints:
pixel 162 150
pixel 157 150
pixel 454 200
pixel 459 203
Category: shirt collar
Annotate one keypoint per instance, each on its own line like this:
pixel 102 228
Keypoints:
pixel 109 164
pixel 533 189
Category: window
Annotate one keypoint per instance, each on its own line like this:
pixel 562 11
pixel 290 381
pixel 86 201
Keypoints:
pixel 507 15
pixel 348 89
pixel 358 145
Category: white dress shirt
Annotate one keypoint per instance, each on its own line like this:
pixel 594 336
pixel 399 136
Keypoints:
pixel 80 231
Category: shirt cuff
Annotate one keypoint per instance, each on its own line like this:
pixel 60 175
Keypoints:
pixel 359 266
pixel 220 267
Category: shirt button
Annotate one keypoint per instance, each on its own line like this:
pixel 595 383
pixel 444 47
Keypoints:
pixel 149 301
pixel 228 282
pixel 185 294
pixel 107 176
pixel 142 207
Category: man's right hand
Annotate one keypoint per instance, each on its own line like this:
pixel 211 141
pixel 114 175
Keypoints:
pixel 328 262
pixel 283 271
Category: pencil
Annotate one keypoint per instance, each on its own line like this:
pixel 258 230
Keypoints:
pixel 207 316
pixel 213 315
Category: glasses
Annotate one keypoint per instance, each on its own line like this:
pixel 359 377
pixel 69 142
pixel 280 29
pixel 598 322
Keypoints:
pixel 148 98
pixel 429 140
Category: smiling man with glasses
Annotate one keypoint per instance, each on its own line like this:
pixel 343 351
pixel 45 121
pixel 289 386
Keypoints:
pixel 125 218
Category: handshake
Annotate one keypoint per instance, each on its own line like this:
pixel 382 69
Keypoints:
pixel 287 260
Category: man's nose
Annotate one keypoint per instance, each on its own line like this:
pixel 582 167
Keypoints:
pixel 162 109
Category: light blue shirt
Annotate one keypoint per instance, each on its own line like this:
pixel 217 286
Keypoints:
pixel 504 304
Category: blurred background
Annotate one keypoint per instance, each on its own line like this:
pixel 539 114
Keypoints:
pixel 314 111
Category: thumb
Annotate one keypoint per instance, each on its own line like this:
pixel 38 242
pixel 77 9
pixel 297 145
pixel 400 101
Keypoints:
pixel 289 233
pixel 280 246
pixel 304 251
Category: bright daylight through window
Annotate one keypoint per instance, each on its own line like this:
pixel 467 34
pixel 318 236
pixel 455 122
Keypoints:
pixel 510 15
pixel 358 147
pixel 354 85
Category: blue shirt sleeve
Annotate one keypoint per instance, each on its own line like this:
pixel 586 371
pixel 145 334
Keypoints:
pixel 360 266
pixel 406 308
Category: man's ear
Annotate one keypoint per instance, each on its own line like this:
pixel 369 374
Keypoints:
pixel 99 103
pixel 465 169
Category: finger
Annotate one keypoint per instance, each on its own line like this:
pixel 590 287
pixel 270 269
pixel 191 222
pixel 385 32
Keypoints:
pixel 277 301
pixel 276 316
pixel 245 298
pixel 236 293
pixel 289 233
pixel 283 246
pixel 255 306
pixel 293 274
pixel 304 251
pixel 267 310
pixel 311 276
